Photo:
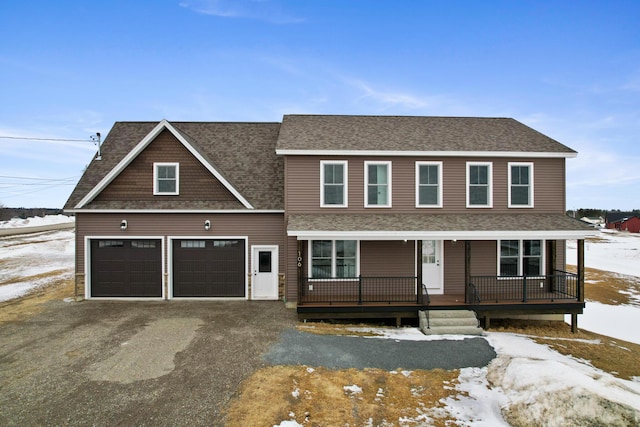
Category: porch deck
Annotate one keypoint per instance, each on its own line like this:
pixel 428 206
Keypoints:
pixel 397 296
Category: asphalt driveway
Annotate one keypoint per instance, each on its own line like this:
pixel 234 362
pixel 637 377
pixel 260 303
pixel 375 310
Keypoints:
pixel 173 363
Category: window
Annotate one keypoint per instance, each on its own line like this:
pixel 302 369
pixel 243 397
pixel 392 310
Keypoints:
pixel 521 185
pixel 333 187
pixel 143 244
pixel 520 258
pixel 377 178
pixel 165 179
pixel 479 185
pixel 429 184
pixel 333 258
pixel 192 244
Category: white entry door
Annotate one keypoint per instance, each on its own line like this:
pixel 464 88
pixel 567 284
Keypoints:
pixel 264 283
pixel 432 264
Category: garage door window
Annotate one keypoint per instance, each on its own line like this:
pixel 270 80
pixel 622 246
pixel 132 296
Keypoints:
pixel 143 244
pixel 110 243
pixel 192 244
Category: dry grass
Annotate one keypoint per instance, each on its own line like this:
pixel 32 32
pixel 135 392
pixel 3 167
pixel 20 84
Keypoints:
pixel 30 304
pixel 610 288
pixel 322 328
pixel 317 397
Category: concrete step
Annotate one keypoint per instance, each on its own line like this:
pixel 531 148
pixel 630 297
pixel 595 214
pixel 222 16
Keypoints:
pixel 453 330
pixel 453 321
pixel 433 314
pixel 440 322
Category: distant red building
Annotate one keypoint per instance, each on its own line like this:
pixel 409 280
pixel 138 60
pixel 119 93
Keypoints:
pixel 630 224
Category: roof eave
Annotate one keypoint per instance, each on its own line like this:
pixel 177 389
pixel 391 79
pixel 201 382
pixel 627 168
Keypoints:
pixel 441 235
pixel 387 153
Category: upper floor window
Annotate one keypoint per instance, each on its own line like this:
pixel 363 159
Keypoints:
pixel 521 185
pixel 333 179
pixel 429 184
pixel 479 185
pixel 520 257
pixel 334 259
pixel 377 178
pixel 166 178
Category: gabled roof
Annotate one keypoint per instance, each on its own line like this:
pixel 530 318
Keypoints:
pixel 619 216
pixel 414 135
pixel 240 155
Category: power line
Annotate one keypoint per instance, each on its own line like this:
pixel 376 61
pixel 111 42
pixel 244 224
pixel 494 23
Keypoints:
pixel 47 139
pixel 38 179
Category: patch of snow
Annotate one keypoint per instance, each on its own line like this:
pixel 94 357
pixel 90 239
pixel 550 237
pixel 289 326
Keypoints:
pixel 617 321
pixel 36 221
pixel 26 257
pixel 352 389
pixel 296 393
pixel 288 423
pixel 406 334
pixel 616 252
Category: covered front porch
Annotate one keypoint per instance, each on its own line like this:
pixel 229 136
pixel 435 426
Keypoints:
pixel 469 255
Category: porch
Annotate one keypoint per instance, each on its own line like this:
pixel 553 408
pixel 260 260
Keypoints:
pixel 398 297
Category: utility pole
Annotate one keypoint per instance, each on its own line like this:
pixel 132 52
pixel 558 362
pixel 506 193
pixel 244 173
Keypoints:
pixel 96 140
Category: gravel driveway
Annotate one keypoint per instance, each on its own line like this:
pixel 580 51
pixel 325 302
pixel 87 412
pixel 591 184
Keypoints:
pixel 133 363
pixel 174 363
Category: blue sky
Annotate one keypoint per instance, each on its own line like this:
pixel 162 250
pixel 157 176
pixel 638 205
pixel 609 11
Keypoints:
pixel 68 69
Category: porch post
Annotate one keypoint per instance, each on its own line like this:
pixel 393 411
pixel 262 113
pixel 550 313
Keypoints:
pixel 580 284
pixel 551 264
pixel 467 268
pixel 299 269
pixel 580 290
pixel 419 271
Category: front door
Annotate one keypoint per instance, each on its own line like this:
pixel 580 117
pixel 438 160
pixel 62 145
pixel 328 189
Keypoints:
pixel 432 275
pixel 264 263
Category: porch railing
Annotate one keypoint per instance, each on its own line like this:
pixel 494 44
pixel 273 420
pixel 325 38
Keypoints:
pixel 561 285
pixel 362 290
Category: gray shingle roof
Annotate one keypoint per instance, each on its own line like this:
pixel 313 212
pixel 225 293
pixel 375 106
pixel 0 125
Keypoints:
pixel 244 153
pixel 434 222
pixel 412 133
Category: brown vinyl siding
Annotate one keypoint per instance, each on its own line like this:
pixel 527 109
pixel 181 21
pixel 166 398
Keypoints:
pixel 483 263
pixel 387 258
pixel 261 229
pixel 302 182
pixel 135 183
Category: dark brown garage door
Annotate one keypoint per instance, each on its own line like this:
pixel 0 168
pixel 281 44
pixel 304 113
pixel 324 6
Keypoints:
pixel 208 268
pixel 126 268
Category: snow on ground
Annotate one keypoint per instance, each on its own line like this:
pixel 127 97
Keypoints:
pixel 31 261
pixel 617 253
pixel 527 381
pixel 613 251
pixel 36 221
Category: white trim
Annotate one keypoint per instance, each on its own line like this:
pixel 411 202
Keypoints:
pixel 489 185
pixel 345 185
pixel 333 260
pixel 164 124
pixel 440 184
pixel 156 183
pixel 366 184
pixel 440 235
pixel 170 240
pixel 177 211
pixel 416 153
pixel 543 260
pixel 275 265
pixel 87 265
pixel 531 182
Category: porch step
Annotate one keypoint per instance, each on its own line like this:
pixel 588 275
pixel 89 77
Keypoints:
pixel 441 322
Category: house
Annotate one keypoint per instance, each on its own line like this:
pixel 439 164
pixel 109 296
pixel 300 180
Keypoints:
pixel 339 216
pixel 623 221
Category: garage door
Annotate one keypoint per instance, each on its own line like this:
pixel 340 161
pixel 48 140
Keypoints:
pixel 126 268
pixel 209 268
